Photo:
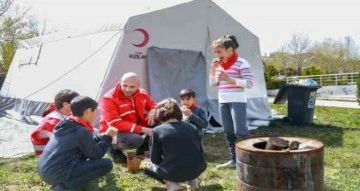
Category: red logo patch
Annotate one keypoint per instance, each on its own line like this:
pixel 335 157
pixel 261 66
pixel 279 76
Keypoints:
pixel 146 38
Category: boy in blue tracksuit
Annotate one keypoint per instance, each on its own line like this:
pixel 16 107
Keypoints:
pixel 192 113
pixel 73 157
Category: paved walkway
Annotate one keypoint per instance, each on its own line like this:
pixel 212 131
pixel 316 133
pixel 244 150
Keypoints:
pixel 331 103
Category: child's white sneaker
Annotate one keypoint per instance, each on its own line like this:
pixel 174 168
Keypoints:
pixel 229 164
pixel 194 184
pixel 173 186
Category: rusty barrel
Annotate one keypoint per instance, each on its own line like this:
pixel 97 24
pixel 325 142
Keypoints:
pixel 268 170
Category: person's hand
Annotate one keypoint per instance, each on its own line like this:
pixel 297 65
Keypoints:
pixel 151 117
pixel 111 131
pixel 222 75
pixel 186 111
pixel 215 63
pixel 147 131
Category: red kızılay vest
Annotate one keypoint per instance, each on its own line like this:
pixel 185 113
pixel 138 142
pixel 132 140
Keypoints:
pixel 41 135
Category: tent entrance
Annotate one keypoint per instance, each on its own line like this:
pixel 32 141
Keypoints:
pixel 171 70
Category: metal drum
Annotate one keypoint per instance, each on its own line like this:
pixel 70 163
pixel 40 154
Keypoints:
pixel 268 170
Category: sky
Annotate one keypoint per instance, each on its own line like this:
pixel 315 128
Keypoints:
pixel 273 21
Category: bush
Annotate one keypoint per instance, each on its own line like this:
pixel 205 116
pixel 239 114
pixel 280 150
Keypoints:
pixel 312 70
pixel 358 88
pixel 270 71
pixel 271 83
pixel 275 83
pixel 288 71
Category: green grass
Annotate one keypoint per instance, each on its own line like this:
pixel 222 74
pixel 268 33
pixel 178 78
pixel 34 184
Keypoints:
pixel 337 128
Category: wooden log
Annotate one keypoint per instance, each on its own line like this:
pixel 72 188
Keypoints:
pixel 294 145
pixel 276 143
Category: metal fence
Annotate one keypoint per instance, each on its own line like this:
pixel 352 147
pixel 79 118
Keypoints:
pixel 329 79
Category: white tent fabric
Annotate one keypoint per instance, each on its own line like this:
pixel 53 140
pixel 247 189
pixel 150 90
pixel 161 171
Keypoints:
pixel 92 64
pixel 189 26
pixel 77 63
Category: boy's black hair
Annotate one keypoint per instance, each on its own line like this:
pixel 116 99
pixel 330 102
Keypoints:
pixel 188 93
pixel 63 96
pixel 81 103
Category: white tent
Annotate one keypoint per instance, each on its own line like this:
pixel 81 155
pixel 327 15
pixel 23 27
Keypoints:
pixel 170 49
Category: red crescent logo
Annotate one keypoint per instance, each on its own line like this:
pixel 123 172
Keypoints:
pixel 146 38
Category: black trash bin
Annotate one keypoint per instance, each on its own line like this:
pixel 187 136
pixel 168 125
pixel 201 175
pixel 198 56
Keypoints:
pixel 301 102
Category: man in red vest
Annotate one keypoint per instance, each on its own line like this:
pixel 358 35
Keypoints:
pixel 129 109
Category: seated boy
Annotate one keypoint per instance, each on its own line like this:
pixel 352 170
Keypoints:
pixel 73 157
pixel 192 113
pixel 175 151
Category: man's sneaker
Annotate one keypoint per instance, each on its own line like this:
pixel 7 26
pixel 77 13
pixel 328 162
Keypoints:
pixel 173 186
pixel 194 184
pixel 229 164
pixel 117 156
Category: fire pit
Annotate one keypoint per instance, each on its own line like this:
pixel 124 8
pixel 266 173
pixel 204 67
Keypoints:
pixel 259 169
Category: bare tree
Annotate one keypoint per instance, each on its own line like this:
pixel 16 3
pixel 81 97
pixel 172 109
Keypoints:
pixel 5 6
pixel 35 28
pixel 351 47
pixel 329 55
pixel 15 25
pixel 352 55
pixel 15 15
pixel 298 47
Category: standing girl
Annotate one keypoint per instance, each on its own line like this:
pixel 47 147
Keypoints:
pixel 233 76
pixel 56 112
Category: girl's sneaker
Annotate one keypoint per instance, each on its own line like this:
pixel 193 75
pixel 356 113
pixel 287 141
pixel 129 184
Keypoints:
pixel 229 164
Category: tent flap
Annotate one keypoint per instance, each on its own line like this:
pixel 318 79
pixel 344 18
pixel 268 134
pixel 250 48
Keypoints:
pixel 171 70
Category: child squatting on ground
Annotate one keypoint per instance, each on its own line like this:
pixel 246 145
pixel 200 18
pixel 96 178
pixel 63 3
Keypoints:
pixel 176 153
pixel 73 157
pixel 56 112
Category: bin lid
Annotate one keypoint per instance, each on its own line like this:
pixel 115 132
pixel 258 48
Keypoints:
pixel 281 96
pixel 303 86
